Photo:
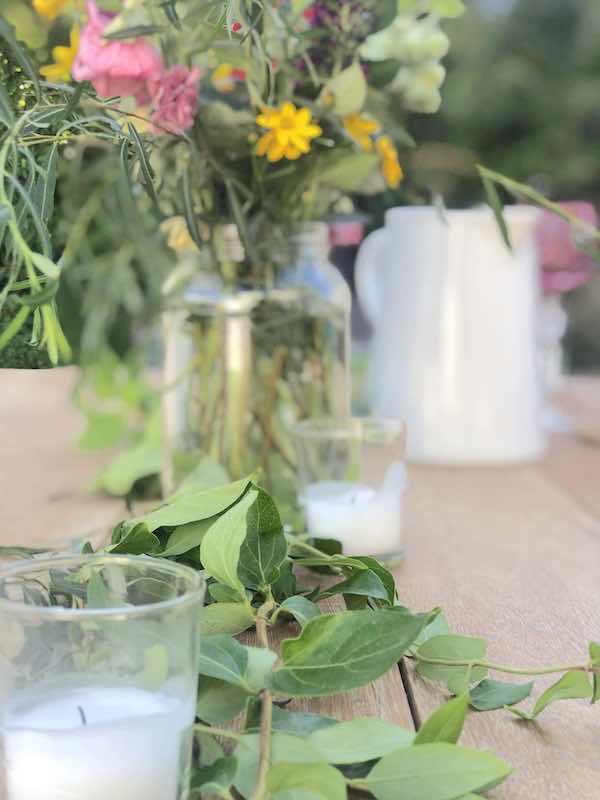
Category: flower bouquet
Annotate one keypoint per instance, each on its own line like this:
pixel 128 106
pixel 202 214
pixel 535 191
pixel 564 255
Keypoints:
pixel 238 124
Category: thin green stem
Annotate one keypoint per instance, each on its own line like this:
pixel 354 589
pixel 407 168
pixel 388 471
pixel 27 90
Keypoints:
pixel 266 719
pixel 559 668
pixel 217 732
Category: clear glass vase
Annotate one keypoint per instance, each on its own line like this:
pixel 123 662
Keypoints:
pixel 242 366
pixel 98 678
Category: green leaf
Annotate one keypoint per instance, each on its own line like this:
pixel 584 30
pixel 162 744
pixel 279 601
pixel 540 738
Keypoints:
pixel 206 475
pixel 220 548
pixel 145 167
pixel 264 549
pixel 490 695
pixel 447 8
pixel 347 171
pixel 386 13
pixel 299 723
pixel 434 772
pixel 260 665
pixel 437 627
pixel 338 652
pixel 284 749
pixel 384 575
pixel 573 685
pixel 336 561
pixel 312 782
pixel 365 583
pixel 14 326
pixel 223 594
pixel 452 648
pixel 220 618
pixel 126 469
pixel 224 658
pixel 215 778
pixel 195 506
pixel 495 203
pixel 219 701
pixel 595 659
pixel 187 537
pixel 349 90
pixel 103 430
pixel 299 607
pixel 359 740
pixel 446 723
pixel 137 541
pixel 98 595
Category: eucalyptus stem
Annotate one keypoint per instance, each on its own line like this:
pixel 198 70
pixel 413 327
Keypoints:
pixel 266 719
pixel 559 668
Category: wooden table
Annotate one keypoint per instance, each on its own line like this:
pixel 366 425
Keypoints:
pixel 511 554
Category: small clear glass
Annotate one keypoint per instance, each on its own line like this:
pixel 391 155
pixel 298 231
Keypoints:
pixel 352 480
pixel 98 678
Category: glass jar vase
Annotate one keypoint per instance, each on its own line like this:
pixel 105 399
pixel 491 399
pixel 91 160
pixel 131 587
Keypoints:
pixel 244 365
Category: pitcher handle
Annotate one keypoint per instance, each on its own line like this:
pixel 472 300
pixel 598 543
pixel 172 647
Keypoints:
pixel 368 274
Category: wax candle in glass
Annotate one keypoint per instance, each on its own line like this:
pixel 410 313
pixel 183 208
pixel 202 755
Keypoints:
pixel 98 678
pixel 352 481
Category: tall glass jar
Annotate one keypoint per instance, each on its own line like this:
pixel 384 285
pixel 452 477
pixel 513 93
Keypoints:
pixel 243 365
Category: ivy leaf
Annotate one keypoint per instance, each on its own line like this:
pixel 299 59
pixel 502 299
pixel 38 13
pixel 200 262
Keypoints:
pixel 446 723
pixel 205 475
pixel 312 782
pixel 300 608
pixel 195 506
pixel 384 575
pixel 437 627
pixel 299 723
pixel 223 594
pixel 490 695
pixel 232 618
pixel 452 648
pixel 365 645
pixel 595 659
pixel 98 594
pixel 434 772
pixel 220 548
pixel 573 685
pixel 359 740
pixel 264 549
pixel 136 541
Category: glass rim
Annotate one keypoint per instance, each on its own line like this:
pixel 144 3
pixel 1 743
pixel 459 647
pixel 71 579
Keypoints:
pixel 194 594
pixel 348 427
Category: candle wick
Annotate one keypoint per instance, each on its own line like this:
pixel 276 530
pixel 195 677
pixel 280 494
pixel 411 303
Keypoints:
pixel 82 715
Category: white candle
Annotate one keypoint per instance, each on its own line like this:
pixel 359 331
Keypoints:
pixel 97 744
pixel 366 521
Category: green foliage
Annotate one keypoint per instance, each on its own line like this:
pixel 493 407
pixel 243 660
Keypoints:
pixel 234 535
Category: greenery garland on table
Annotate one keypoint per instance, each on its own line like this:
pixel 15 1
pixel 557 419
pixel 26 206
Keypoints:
pixel 255 575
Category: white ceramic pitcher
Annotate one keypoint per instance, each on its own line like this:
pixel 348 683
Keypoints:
pixel 455 314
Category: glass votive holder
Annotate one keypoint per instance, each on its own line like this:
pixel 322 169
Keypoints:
pixel 352 480
pixel 98 678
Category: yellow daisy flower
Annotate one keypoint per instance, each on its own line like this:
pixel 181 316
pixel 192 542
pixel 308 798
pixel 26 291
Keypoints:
pixel 361 129
pixel 63 57
pixel 49 8
pixel 290 131
pixel 390 165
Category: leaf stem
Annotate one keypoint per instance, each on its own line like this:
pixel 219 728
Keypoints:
pixel 217 731
pixel 504 667
pixel 266 719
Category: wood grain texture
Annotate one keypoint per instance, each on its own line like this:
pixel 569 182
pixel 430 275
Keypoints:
pixel 44 478
pixel 511 557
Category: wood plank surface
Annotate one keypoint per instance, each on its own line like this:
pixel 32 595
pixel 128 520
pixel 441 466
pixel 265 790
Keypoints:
pixel 512 558
pixel 511 554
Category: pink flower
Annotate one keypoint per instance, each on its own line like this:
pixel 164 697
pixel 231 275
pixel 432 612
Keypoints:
pixel 175 99
pixel 564 266
pixel 115 68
